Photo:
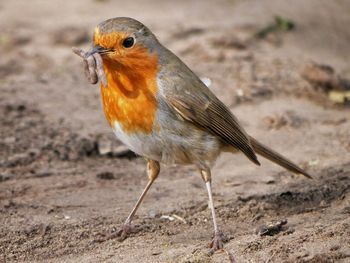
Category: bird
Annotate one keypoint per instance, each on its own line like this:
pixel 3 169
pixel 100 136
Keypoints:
pixel 158 107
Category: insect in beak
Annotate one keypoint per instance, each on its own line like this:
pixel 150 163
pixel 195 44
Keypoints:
pixel 97 49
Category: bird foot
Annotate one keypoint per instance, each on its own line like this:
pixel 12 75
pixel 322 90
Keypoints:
pixel 124 231
pixel 217 242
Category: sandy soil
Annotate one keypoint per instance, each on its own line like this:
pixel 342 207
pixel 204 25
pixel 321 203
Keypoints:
pixel 58 194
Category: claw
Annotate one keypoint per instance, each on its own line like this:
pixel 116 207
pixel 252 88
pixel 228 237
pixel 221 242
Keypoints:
pixel 218 242
pixel 120 235
pixel 123 232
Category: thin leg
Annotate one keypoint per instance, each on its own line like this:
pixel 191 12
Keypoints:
pixel 217 242
pixel 211 203
pixel 153 169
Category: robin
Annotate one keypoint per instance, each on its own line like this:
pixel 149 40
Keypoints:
pixel 162 111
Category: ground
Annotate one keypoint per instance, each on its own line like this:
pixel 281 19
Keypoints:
pixel 63 186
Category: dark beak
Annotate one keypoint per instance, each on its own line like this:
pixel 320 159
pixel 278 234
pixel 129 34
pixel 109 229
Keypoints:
pixel 97 49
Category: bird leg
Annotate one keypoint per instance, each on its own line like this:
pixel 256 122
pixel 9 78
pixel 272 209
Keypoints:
pixel 217 242
pixel 153 169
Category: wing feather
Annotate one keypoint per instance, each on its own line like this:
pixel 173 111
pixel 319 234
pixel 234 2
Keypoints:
pixel 212 115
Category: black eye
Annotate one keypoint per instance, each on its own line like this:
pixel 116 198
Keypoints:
pixel 128 42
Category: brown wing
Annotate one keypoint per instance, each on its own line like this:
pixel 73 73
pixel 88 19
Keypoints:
pixel 208 112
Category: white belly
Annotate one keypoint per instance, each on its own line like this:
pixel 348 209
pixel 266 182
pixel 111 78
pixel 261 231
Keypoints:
pixel 142 144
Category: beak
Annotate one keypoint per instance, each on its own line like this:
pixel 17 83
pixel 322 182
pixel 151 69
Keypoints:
pixel 97 49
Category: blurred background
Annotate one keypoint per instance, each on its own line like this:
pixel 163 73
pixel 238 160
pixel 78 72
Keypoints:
pixel 281 66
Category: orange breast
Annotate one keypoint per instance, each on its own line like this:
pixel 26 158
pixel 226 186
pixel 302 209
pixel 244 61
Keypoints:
pixel 130 97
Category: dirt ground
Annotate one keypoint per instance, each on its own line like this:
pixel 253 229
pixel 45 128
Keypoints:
pixel 64 182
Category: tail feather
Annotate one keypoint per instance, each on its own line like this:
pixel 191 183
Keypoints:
pixel 277 158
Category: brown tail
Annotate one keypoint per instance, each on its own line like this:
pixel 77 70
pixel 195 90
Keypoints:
pixel 275 157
